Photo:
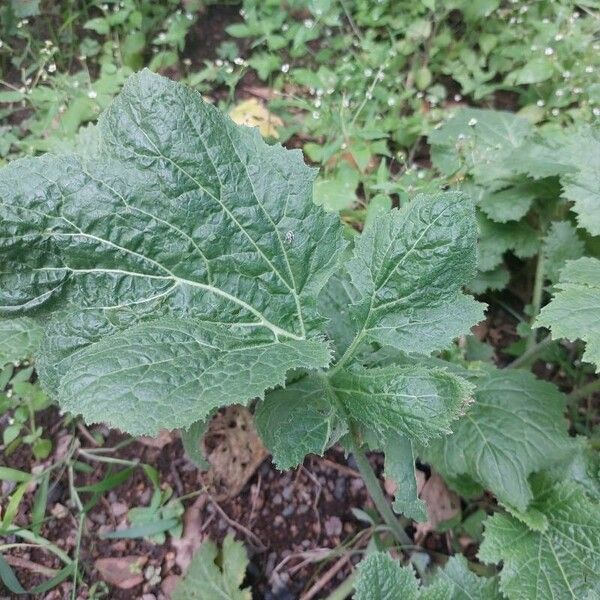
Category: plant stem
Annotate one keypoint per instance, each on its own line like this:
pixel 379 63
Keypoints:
pixel 530 353
pixel 344 590
pixel 372 483
pixel 536 301
pixel 586 390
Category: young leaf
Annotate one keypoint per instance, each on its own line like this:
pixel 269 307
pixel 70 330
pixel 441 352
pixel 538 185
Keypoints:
pixel 573 312
pixel 380 577
pixel 560 562
pixel 409 267
pixel 514 428
pixel 205 578
pixel 189 251
pixel 400 468
pixel 414 401
pixel 297 421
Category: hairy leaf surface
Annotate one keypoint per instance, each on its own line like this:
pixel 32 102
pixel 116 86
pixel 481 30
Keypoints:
pixel 561 562
pixel 514 428
pixel 574 312
pixel 380 577
pixel 206 579
pixel 181 214
pixel 409 267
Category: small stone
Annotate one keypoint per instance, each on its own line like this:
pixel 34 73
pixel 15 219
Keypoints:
pixel 118 508
pixel 277 499
pixel 333 526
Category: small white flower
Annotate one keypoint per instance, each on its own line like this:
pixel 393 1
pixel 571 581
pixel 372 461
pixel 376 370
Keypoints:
pixel 534 48
pixel 28 81
pixel 421 175
pixel 92 94
pixel 319 92
pixel 555 112
pixel 162 36
pixel 380 76
pixel 229 69
pixel 346 102
pixel 62 108
pixel 238 60
pixel 187 62
pixel 318 103
pixel 540 103
pixel 577 90
pixel 596 111
pixel 219 62
pixel 457 97
pixel 308 23
pixel 558 37
pixel 589 69
pixel 523 9
pixel 51 68
pixel 76 84
pixel 316 115
pixel 391 101
pixel 344 146
pixel 461 136
pixel 549 51
pixel 330 91
pixel 1 43
pixel 285 68
pixel 369 95
pixel 472 122
pixel 559 93
pixel 189 16
pixel 367 72
pixel 48 43
pixel 242 13
pixel 420 95
pixel 285 27
pixel 545 21
pixel 566 75
pixel 105 7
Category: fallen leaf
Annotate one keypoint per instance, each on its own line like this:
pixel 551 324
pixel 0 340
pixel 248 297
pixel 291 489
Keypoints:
pixel 160 441
pixel 192 536
pixel 124 572
pixel 254 114
pixel 442 505
pixel 234 451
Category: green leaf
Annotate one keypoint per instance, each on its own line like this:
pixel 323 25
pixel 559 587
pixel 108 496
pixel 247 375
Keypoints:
pixel 400 468
pixel 561 562
pixel 190 252
pixel 534 71
pixel 214 574
pixel 510 204
pixel 297 421
pixel 560 244
pixel 380 577
pixel 573 312
pixel 413 401
pixel 191 439
pixel 478 140
pixel 409 267
pixel 514 428
pixel 497 238
pixel 337 192
pixel 19 339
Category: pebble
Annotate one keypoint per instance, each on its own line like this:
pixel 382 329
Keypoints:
pixel 288 510
pixel 277 499
pixel 288 490
pixel 333 526
pixel 119 508
pixel 340 488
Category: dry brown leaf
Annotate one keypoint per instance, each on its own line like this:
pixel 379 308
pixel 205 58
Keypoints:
pixel 124 572
pixel 192 535
pixel 442 505
pixel 234 451
pixel 254 114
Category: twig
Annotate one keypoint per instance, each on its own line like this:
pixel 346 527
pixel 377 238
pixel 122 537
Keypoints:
pixel 326 578
pixel 23 563
pixel 530 353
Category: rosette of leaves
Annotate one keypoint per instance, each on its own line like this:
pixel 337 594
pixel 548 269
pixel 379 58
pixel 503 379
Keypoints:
pixel 177 268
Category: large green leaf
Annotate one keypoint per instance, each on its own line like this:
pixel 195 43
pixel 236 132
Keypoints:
pixel 573 312
pixel 214 574
pixel 560 562
pixel 409 267
pixel 180 216
pixel 514 428
pixel 561 244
